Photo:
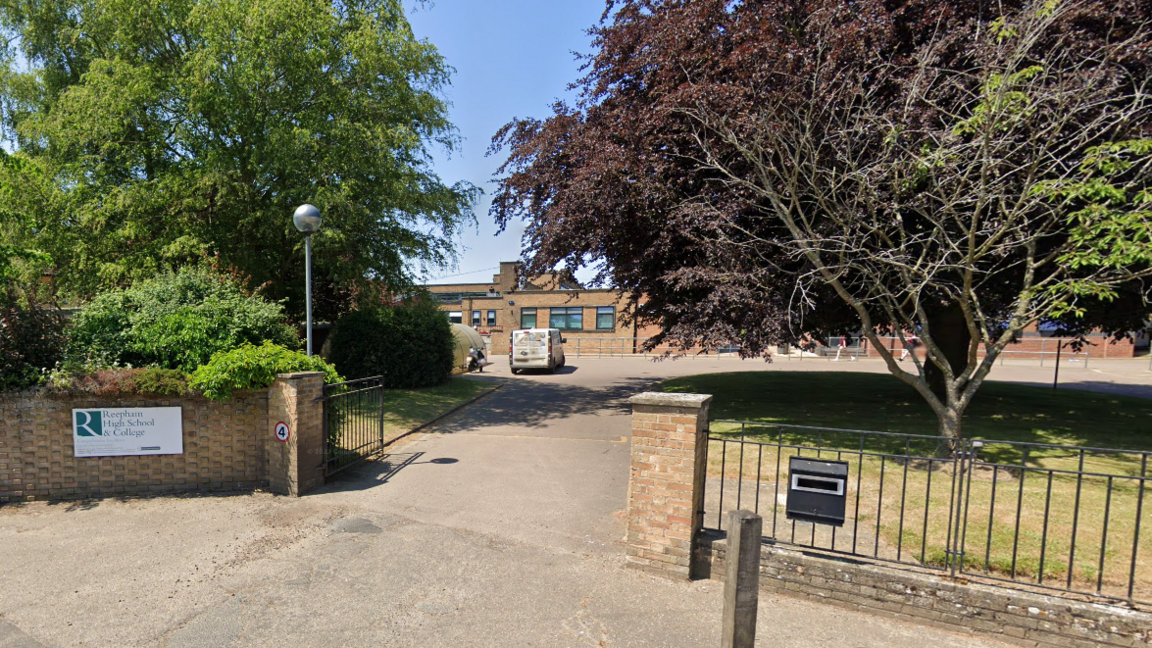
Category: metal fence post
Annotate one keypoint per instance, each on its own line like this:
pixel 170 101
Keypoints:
pixel 741 580
pixel 953 541
pixel 380 404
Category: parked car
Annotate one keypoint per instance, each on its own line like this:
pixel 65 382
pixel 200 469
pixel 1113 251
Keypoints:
pixel 536 349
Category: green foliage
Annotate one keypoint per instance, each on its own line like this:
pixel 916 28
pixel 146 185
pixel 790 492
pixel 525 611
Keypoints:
pixel 1004 102
pixel 162 130
pixel 116 382
pixel 32 337
pixel 1109 205
pixel 255 367
pixel 176 321
pixel 409 345
pixel 18 261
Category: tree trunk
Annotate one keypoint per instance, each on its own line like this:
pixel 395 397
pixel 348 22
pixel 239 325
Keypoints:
pixel 950 333
pixel 949 428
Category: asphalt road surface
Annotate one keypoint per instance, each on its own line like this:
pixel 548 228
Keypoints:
pixel 502 526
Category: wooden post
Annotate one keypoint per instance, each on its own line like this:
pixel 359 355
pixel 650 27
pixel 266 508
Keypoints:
pixel 741 580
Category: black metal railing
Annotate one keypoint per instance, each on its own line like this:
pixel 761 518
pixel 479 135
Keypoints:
pixel 353 422
pixel 1063 518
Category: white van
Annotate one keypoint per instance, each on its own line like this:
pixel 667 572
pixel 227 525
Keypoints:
pixel 536 349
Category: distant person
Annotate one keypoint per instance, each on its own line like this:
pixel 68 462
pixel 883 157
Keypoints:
pixel 911 342
pixel 843 344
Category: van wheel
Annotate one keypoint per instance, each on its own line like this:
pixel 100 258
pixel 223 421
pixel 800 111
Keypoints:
pixel 551 367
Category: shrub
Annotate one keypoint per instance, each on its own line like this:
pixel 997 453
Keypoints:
pixel 32 337
pixel 410 345
pixel 175 321
pixel 115 382
pixel 254 367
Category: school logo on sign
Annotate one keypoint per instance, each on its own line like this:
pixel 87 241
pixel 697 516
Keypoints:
pixel 89 423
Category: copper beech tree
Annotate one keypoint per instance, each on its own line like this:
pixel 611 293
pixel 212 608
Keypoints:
pixel 759 171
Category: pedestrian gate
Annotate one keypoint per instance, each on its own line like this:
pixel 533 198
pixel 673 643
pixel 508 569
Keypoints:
pixel 353 422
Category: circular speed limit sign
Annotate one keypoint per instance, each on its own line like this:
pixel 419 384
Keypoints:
pixel 282 432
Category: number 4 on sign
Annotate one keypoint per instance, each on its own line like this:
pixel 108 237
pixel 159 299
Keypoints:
pixel 282 432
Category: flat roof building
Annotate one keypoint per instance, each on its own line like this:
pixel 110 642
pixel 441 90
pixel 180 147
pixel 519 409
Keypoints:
pixel 511 301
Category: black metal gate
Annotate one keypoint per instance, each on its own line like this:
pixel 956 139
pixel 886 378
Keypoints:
pixel 353 422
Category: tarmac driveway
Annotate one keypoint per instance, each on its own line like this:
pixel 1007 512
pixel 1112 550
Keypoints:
pixel 500 527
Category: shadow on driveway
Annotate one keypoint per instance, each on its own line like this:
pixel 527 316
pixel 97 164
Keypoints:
pixel 378 470
pixel 529 403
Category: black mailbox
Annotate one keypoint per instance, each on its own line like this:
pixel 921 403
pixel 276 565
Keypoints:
pixel 817 490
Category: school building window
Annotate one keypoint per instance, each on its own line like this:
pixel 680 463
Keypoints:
pixel 456 317
pixel 571 319
pixel 475 319
pixel 527 318
pixel 605 318
pixel 491 318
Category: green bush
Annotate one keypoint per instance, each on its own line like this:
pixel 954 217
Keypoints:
pixel 175 321
pixel 409 345
pixel 32 337
pixel 254 367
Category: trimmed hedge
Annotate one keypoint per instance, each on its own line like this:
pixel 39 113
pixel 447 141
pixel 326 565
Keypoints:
pixel 254 367
pixel 409 345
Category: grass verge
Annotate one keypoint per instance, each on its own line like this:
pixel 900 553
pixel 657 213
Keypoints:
pixel 405 409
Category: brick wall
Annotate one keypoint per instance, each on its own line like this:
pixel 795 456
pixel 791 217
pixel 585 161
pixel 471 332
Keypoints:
pixel 1016 616
pixel 665 484
pixel 297 466
pixel 508 316
pixel 1034 347
pixel 224 448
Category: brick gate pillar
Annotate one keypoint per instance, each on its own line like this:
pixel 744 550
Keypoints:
pixel 296 466
pixel 666 482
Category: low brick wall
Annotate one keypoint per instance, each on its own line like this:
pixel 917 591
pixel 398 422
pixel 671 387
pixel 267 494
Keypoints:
pixel 1015 616
pixel 1032 347
pixel 225 448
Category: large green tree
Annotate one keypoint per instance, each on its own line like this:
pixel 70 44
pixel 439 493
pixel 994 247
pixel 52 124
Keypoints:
pixel 158 132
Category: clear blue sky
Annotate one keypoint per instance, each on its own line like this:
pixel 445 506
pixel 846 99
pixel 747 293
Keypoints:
pixel 513 58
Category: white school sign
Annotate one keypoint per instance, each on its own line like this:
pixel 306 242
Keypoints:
pixel 127 431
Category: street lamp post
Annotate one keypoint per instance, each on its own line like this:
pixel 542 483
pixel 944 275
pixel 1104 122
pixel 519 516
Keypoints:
pixel 307 220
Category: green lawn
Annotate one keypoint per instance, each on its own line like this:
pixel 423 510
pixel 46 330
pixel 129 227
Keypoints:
pixel 1045 502
pixel 881 402
pixel 405 409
